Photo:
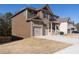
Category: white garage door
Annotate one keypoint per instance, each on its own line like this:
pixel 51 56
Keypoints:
pixel 37 31
pixel 46 31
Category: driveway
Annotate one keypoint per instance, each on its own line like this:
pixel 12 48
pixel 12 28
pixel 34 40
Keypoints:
pixel 74 49
pixel 61 39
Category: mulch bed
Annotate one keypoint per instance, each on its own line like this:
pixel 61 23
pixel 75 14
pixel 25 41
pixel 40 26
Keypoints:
pixel 4 39
pixel 7 39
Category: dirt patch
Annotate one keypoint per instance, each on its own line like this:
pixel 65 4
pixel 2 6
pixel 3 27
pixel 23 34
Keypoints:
pixel 33 46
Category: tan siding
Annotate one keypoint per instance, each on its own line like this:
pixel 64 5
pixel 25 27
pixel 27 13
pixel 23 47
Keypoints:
pixel 20 27
pixel 40 13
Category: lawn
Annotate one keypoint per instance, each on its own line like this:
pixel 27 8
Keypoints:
pixel 32 46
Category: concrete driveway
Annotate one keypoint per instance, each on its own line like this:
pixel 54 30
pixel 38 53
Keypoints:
pixel 61 39
pixel 74 49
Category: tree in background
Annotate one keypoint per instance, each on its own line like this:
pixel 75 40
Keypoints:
pixel 77 26
pixel 5 24
pixel 2 27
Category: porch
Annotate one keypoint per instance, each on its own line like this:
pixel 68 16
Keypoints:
pixel 53 28
pixel 43 26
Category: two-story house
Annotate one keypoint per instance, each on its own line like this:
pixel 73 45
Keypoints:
pixel 66 25
pixel 33 22
pixel 37 22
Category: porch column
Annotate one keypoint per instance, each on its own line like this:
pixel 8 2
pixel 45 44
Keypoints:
pixel 48 28
pixel 55 29
pixel 31 32
pixel 51 28
pixel 70 31
pixel 48 25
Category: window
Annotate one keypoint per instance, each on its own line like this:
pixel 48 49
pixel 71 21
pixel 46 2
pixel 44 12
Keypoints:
pixel 45 14
pixel 31 14
pixel 72 28
pixel 68 30
pixel 57 27
pixel 50 17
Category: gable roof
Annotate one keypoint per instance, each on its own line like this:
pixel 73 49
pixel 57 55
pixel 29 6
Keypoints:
pixel 35 9
pixel 63 19
pixel 49 9
pixel 67 19
pixel 21 11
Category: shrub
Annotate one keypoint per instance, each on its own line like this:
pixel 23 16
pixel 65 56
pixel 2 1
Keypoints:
pixel 61 33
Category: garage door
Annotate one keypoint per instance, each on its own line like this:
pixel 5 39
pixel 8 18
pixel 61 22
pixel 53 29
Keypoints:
pixel 37 31
pixel 46 31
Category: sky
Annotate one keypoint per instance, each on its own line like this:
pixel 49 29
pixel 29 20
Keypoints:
pixel 62 10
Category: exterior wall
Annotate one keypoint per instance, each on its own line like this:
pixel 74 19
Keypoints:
pixel 70 26
pixel 20 27
pixel 75 29
pixel 63 27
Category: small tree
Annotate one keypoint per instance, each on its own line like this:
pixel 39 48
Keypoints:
pixel 8 21
pixel 77 26
pixel 5 24
pixel 61 33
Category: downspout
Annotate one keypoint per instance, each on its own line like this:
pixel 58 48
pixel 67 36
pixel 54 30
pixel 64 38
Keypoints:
pixel 55 29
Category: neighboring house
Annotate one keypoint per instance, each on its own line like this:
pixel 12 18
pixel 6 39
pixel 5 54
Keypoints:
pixel 66 25
pixel 36 22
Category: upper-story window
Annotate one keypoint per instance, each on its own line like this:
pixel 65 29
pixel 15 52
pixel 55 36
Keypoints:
pixel 46 16
pixel 50 17
pixel 31 14
pixel 45 13
pixel 72 29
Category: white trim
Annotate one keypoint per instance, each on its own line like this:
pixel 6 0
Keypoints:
pixel 55 29
pixel 51 27
pixel 26 14
pixel 48 28
pixel 31 29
